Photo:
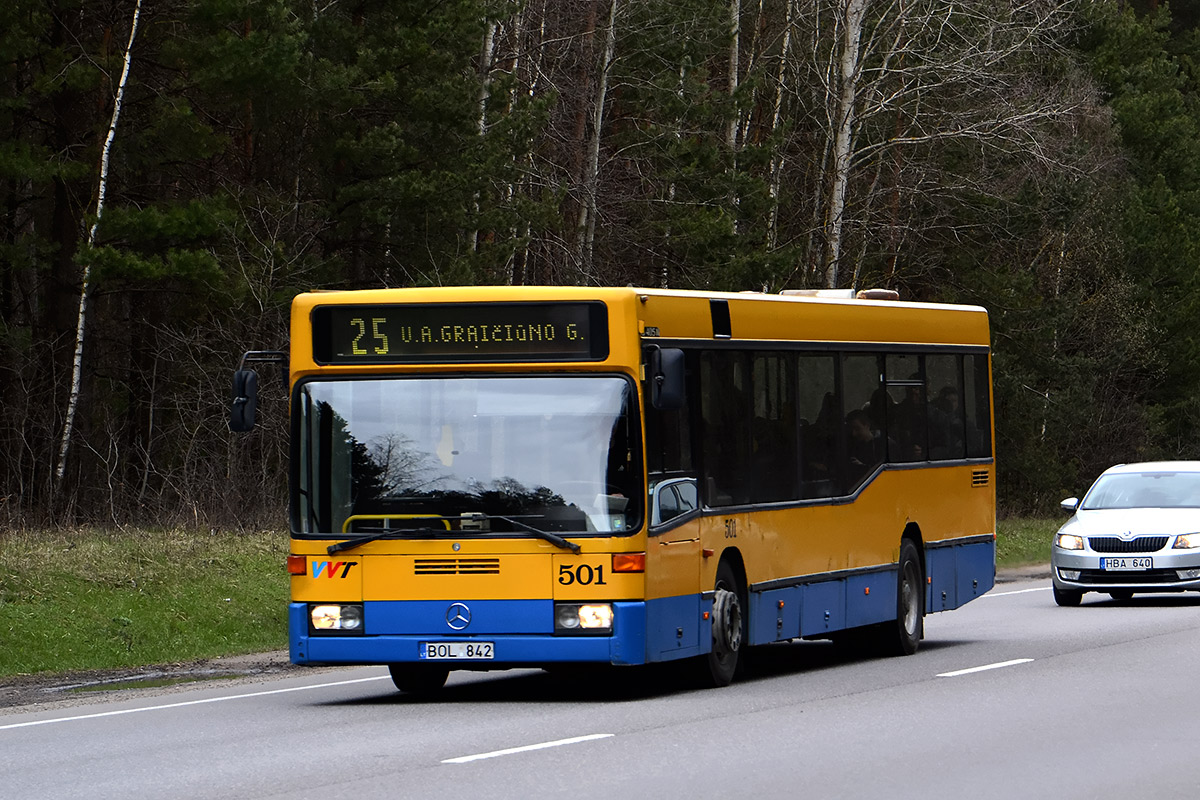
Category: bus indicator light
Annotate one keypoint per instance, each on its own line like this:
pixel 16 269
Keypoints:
pixel 629 562
pixel 297 565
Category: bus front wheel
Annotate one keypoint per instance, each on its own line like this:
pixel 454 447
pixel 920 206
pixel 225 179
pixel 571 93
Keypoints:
pixel 728 626
pixel 418 678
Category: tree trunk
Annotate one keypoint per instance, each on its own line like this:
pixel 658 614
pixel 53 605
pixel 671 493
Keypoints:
pixel 77 368
pixel 777 157
pixel 587 214
pixel 843 137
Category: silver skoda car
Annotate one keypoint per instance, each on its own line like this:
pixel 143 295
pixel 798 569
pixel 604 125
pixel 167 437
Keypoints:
pixel 1136 530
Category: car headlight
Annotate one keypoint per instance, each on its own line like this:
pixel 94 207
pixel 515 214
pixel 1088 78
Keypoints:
pixel 1068 541
pixel 1186 541
pixel 341 618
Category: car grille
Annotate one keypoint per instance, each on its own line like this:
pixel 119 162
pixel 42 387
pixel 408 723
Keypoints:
pixel 1142 544
pixel 1097 577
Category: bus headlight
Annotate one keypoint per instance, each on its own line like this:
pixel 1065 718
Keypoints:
pixel 342 618
pixel 583 618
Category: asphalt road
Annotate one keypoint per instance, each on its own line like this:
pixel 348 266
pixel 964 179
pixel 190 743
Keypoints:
pixel 1009 697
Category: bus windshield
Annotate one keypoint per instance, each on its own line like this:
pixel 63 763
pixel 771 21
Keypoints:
pixel 467 456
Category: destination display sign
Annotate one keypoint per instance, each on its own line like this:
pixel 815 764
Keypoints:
pixel 460 332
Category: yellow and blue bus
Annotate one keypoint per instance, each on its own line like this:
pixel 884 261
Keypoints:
pixel 498 477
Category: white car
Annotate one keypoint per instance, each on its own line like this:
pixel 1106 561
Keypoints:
pixel 1136 530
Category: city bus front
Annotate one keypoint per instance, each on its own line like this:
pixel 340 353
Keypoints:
pixel 466 520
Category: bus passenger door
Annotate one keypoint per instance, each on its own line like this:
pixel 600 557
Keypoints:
pixel 672 573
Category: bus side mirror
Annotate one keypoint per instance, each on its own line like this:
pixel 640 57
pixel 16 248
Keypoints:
pixel 665 378
pixel 245 400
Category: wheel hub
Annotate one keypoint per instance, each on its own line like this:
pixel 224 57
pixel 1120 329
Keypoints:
pixel 727 622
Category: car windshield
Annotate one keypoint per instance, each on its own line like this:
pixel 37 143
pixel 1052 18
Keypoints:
pixel 472 456
pixel 1144 490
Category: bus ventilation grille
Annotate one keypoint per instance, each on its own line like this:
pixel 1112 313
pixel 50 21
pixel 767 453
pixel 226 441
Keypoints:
pixel 456 566
pixel 979 477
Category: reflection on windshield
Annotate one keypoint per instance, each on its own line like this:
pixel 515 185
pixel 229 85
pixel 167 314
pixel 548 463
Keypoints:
pixel 467 454
pixel 1145 490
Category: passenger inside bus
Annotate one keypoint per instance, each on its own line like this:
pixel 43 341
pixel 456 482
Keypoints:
pixel 866 446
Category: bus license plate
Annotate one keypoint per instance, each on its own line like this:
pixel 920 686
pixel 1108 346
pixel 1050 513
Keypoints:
pixel 1126 563
pixel 451 651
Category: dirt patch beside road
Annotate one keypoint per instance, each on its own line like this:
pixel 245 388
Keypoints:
pixel 51 690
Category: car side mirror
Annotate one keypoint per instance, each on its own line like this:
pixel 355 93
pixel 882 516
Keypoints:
pixel 245 401
pixel 1070 505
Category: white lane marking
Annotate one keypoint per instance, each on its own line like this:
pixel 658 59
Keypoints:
pixel 1019 591
pixel 190 703
pixel 528 747
pixel 985 667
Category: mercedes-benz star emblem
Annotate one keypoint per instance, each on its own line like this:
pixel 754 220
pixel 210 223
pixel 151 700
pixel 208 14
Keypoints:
pixel 458 616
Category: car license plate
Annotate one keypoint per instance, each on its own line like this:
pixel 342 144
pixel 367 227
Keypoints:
pixel 1126 563
pixel 451 651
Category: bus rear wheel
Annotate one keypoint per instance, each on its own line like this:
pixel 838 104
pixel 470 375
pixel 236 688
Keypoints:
pixel 418 678
pixel 728 627
pixel 902 637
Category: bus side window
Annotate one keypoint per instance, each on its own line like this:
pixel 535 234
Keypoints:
pixel 725 434
pixel 978 423
pixel 774 462
pixel 863 391
pixel 946 439
pixel 820 419
pixel 669 434
pixel 907 415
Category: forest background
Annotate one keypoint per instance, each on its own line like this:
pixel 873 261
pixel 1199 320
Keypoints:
pixel 172 173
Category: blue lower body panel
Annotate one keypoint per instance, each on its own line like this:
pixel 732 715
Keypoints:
pixel 958 574
pixel 816 607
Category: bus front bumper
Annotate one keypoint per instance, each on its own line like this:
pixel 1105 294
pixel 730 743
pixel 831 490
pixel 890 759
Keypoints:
pixel 521 633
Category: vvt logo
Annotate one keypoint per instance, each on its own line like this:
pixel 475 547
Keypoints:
pixel 330 568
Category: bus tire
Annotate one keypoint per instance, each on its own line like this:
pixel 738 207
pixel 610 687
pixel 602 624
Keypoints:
pixel 728 630
pixel 418 678
pixel 902 637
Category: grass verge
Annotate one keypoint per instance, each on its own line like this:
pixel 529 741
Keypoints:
pixel 108 599
pixel 1023 540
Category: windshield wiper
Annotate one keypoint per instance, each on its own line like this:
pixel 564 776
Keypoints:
pixel 552 538
pixel 350 544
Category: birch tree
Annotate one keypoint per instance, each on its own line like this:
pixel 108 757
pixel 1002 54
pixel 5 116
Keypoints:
pixel 591 176
pixel 85 290
pixel 912 75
